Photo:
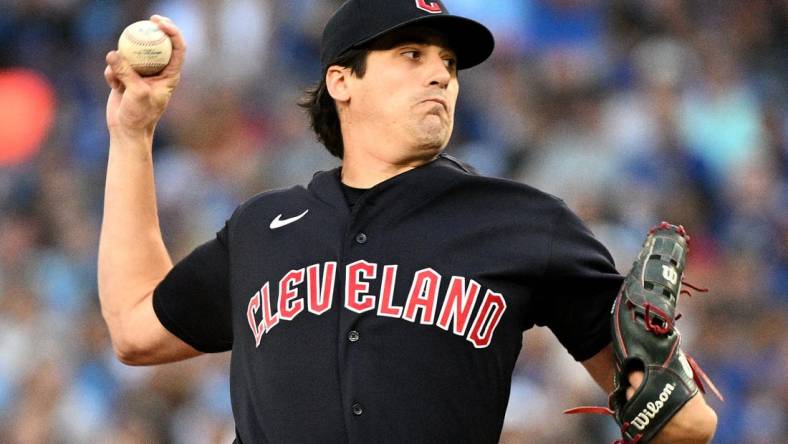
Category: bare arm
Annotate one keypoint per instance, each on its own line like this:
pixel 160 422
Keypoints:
pixel 132 257
pixel 695 423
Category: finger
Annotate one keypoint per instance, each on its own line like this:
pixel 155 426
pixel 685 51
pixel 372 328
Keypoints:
pixel 635 379
pixel 159 17
pixel 123 72
pixel 115 96
pixel 178 43
pixel 112 81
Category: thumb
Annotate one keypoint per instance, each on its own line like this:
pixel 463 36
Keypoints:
pixel 122 70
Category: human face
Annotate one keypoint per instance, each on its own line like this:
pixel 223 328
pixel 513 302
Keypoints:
pixel 404 104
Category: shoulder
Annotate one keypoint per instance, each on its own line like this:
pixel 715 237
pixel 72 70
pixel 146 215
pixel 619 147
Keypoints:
pixel 499 191
pixel 270 201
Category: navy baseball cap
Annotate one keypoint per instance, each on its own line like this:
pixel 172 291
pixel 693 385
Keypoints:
pixel 358 22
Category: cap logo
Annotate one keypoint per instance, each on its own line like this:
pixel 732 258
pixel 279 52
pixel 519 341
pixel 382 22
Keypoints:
pixel 428 6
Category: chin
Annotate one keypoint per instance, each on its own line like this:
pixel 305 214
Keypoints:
pixel 436 136
pixel 431 142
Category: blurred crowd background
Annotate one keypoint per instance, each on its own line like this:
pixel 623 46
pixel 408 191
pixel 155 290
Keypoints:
pixel 633 111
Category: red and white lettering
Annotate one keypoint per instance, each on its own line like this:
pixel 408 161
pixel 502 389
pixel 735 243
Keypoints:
pixel 319 301
pixel 257 329
pixel 432 7
pixel 288 307
pixel 423 295
pixel 355 287
pixel 458 305
pixel 456 315
pixel 492 307
pixel 387 292
pixel 270 320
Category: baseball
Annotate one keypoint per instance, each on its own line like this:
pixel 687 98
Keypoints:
pixel 146 47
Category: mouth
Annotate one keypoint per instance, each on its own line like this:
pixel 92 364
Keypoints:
pixel 438 100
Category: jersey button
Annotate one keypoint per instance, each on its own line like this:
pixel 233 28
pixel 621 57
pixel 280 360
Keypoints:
pixel 353 336
pixel 361 238
pixel 358 409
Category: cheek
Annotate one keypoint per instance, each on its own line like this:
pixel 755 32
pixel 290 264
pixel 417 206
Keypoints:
pixel 375 98
pixel 385 104
pixel 453 92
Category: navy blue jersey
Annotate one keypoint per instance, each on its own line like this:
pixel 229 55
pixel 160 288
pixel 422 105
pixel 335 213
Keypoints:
pixel 397 320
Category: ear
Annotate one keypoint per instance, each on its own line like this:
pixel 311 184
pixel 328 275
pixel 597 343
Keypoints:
pixel 337 83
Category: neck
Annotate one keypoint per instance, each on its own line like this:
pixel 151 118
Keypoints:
pixel 364 170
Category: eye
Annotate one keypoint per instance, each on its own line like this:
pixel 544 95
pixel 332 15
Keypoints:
pixel 412 54
pixel 451 63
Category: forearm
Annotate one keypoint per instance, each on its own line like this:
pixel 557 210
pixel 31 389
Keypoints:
pixel 132 257
pixel 693 424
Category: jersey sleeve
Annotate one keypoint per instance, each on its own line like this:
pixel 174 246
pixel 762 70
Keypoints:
pixel 579 285
pixel 193 300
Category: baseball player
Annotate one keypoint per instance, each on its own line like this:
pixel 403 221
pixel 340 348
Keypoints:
pixel 385 301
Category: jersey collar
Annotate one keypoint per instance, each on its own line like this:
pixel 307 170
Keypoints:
pixel 428 179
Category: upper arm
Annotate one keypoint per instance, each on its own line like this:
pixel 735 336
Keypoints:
pixel 148 341
pixel 193 301
pixel 187 313
pixel 577 288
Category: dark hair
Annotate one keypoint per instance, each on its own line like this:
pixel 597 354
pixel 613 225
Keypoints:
pixel 321 107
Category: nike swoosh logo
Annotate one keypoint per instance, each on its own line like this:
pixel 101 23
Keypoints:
pixel 278 222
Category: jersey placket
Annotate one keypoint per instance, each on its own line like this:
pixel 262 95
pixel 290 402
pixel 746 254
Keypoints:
pixel 359 247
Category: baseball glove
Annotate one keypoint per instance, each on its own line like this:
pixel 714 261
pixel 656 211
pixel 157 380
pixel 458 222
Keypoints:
pixel 645 338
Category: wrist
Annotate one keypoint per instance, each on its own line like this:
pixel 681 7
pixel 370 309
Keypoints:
pixel 134 142
pixel 126 133
pixel 695 423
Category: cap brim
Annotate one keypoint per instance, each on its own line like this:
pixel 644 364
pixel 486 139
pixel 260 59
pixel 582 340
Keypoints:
pixel 471 41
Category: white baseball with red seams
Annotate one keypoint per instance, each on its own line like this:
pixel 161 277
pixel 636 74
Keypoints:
pixel 146 47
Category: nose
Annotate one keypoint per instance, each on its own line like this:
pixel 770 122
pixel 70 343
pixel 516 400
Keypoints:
pixel 439 74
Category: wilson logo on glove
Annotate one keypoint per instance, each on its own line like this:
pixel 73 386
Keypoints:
pixel 652 408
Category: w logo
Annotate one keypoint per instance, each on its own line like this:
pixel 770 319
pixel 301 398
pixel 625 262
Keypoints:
pixel 428 6
pixel 670 274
